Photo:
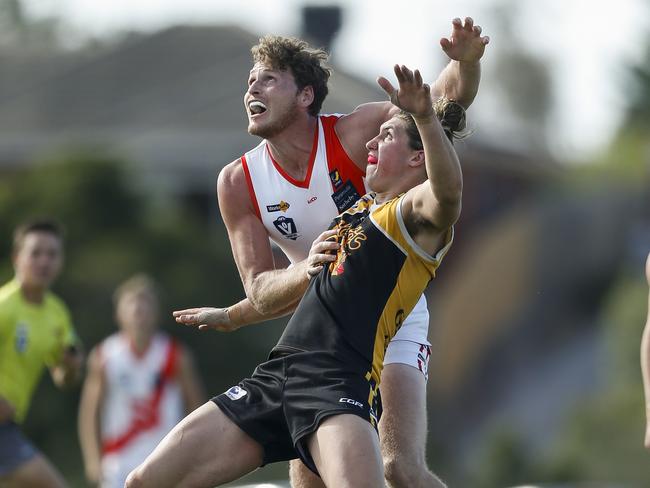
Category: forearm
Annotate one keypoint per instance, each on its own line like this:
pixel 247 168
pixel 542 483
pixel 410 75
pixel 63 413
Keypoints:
pixel 243 313
pixel 68 373
pixel 7 411
pixel 89 435
pixel 442 164
pixel 273 292
pixel 459 81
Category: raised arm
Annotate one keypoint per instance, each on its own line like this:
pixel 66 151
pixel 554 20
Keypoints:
pixel 432 207
pixel 645 360
pixel 460 79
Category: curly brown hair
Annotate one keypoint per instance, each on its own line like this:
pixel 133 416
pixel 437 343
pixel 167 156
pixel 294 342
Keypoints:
pixel 305 63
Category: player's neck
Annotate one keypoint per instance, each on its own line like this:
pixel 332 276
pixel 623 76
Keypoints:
pixel 292 148
pixel 381 197
pixel 32 294
pixel 139 345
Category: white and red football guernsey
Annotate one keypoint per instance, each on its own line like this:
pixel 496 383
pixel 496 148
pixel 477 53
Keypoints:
pixel 142 402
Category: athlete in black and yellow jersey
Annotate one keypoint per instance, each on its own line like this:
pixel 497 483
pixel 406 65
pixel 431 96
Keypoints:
pixel 315 398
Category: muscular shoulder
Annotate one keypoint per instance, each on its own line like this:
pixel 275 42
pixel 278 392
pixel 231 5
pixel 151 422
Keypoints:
pixel 231 175
pixel 232 186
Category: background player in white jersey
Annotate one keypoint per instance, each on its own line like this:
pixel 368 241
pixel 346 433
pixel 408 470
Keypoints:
pixel 307 169
pixel 140 383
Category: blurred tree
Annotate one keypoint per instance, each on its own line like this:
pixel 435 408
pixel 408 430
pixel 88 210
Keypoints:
pixel 523 78
pixel 639 105
pixel 603 439
pixel 18 29
pixel 111 233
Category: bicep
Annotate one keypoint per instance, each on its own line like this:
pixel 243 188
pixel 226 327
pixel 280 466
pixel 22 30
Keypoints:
pixel 357 128
pixel 421 206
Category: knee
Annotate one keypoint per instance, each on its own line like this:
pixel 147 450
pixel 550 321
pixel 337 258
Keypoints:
pixel 397 473
pixel 135 479
pixel 403 472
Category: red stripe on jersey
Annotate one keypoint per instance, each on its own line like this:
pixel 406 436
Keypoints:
pixel 312 157
pixel 149 410
pixel 338 159
pixel 251 190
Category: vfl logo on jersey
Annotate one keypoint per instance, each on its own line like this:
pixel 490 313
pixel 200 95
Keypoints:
pixel 22 333
pixel 335 176
pixel 282 206
pixel 235 393
pixel 312 199
pixel 287 227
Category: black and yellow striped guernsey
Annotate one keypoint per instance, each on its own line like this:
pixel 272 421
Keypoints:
pixel 356 305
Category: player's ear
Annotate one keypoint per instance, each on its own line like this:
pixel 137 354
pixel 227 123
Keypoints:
pixel 417 159
pixel 306 96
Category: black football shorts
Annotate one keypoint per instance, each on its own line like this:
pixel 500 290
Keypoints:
pixel 287 397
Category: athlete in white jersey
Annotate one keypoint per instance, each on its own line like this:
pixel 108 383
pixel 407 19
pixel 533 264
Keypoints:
pixel 286 89
pixel 140 384
pixel 141 403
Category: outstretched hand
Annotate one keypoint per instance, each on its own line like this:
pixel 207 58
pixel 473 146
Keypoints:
pixel 465 43
pixel 206 318
pixel 413 96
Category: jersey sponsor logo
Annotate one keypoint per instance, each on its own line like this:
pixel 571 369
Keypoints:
pixel 350 401
pixel 278 207
pixel 335 177
pixel 312 199
pixel 22 337
pixel 345 196
pixel 236 392
pixel 287 227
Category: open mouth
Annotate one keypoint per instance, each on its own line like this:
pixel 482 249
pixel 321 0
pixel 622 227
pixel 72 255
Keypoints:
pixel 256 107
pixel 372 159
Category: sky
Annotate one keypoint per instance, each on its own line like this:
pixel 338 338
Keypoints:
pixel 586 43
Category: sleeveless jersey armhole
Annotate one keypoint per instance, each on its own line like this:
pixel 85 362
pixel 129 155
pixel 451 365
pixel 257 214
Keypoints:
pixel 251 190
pixel 338 160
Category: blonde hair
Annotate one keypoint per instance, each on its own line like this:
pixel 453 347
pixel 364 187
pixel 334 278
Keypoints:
pixel 138 283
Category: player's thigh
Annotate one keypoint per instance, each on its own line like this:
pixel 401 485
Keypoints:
pixel 206 448
pixel 38 472
pixel 403 424
pixel 345 449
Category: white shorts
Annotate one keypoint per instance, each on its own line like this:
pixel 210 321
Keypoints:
pixel 409 353
pixel 416 326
